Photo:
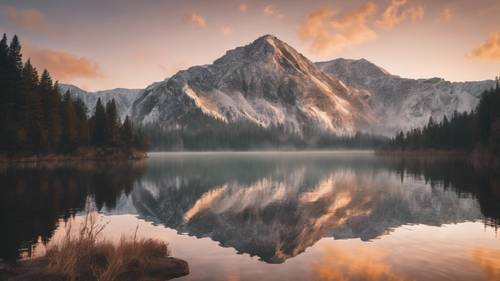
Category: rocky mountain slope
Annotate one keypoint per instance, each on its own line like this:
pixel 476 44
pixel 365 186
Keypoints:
pixel 266 82
pixel 269 83
pixel 124 98
pixel 401 103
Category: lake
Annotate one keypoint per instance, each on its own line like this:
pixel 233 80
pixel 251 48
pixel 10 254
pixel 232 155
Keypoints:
pixel 272 215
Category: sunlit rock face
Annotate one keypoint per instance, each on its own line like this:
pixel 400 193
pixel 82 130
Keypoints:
pixel 276 209
pixel 269 83
pixel 401 103
pixel 266 82
pixel 124 98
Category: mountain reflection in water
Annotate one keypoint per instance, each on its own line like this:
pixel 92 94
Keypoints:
pixel 270 205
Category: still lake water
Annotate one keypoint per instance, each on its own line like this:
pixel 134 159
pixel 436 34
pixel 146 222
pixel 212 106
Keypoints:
pixel 273 216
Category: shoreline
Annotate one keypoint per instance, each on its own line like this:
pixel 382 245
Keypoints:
pixel 423 153
pixel 107 154
pixel 480 157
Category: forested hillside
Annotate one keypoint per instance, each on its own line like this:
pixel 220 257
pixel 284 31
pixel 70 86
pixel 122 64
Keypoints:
pixel 35 118
pixel 478 130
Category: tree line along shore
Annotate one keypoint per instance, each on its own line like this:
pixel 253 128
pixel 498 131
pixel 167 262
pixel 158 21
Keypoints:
pixel 475 134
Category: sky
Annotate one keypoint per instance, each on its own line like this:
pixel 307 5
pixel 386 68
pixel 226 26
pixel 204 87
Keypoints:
pixel 100 45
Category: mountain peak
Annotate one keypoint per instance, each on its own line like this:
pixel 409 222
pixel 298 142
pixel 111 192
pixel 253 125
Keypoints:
pixel 267 37
pixel 266 82
pixel 266 50
pixel 261 47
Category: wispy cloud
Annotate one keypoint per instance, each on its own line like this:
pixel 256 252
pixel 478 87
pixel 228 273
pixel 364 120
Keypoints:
pixel 446 15
pixel 63 65
pixel 196 20
pixel 397 12
pixel 29 19
pixel 488 50
pixel 328 33
pixel 269 10
pixel 226 30
pixel 243 7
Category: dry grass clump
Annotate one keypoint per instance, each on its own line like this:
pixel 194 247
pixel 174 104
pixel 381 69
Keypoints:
pixel 85 257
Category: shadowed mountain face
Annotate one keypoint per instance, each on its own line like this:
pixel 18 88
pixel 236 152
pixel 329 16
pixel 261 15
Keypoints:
pixel 401 103
pixel 266 82
pixel 270 205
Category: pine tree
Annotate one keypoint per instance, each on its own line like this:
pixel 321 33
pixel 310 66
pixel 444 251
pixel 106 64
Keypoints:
pixel 10 106
pixel 54 117
pixel 32 114
pixel 70 123
pixel 82 122
pixel 112 123
pixel 99 125
pixel 4 49
pixel 44 88
pixel 126 132
pixel 4 89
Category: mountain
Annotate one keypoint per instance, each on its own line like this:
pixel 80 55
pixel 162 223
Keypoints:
pixel 266 82
pixel 124 98
pixel 402 103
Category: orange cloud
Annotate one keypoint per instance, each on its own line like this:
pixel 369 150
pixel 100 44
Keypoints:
pixel 62 65
pixel 196 20
pixel 489 50
pixel 29 19
pixel 269 10
pixel 392 15
pixel 243 7
pixel 226 30
pixel 362 263
pixel 328 34
pixel 446 15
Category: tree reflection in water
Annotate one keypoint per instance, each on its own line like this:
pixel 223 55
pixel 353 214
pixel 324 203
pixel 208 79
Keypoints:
pixel 273 206
pixel 34 198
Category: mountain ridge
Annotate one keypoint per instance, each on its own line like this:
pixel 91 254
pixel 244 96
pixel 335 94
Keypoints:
pixel 124 97
pixel 268 83
pixel 405 103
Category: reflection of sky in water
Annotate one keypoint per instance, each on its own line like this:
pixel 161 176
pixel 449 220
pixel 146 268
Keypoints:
pixel 310 216
pixel 464 251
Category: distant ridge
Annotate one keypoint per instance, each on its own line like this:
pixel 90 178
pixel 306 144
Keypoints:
pixel 403 103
